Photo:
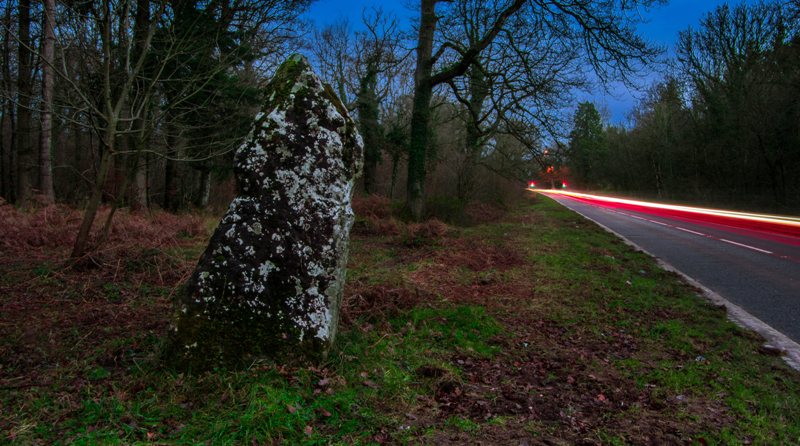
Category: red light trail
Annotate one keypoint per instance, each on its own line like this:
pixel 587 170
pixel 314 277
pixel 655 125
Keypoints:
pixel 775 224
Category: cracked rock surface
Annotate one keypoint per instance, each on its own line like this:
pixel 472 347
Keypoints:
pixel 269 284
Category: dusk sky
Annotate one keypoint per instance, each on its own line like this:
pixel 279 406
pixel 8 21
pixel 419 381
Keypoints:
pixel 662 27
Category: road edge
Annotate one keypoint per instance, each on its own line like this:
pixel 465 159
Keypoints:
pixel 789 350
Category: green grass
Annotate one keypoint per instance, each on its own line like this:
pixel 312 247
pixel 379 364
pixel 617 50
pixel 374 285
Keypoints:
pixel 705 356
pixel 371 375
pixel 463 424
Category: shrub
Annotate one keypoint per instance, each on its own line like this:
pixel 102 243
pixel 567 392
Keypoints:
pixel 447 209
pixel 427 232
pixel 481 213
pixel 375 206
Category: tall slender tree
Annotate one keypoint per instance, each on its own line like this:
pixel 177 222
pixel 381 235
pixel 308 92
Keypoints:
pixel 25 164
pixel 379 57
pixel 139 135
pixel 48 80
pixel 8 153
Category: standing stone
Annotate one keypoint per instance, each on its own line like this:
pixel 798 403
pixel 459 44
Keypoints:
pixel 270 282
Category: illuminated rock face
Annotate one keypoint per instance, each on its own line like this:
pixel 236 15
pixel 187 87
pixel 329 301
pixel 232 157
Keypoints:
pixel 269 284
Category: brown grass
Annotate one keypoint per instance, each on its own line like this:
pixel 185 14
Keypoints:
pixel 375 206
pixel 482 213
pixel 53 314
pixel 372 225
pixel 41 231
pixel 430 229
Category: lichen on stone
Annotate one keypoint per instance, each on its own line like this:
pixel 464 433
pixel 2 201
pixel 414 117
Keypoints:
pixel 270 281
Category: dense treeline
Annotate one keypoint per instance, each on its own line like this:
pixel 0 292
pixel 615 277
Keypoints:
pixel 140 103
pixel 132 103
pixel 724 129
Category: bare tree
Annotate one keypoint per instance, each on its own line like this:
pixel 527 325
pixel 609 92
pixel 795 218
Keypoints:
pixel 379 57
pixel 119 68
pixel 46 136
pixel 362 67
pixel 137 137
pixel 334 55
pixel 524 78
pixel 603 29
pixel 425 79
pixel 25 164
pixel 8 153
pixel 395 120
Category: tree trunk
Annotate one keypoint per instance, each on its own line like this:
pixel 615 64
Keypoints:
pixel 3 153
pixel 78 160
pixel 108 145
pixel 25 163
pixel 46 137
pixel 370 128
pixel 139 189
pixel 657 177
pixel 81 242
pixel 478 91
pixel 129 174
pixel 204 191
pixel 7 156
pixel 425 80
pixel 169 201
pixel 421 111
pixel 465 184
pixel 3 161
pixel 395 168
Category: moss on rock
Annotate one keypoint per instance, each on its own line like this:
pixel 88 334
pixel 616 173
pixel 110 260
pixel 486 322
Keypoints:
pixel 270 281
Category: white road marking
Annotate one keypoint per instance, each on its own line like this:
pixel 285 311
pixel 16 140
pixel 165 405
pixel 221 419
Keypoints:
pixel 746 246
pixel 687 230
pixel 691 232
pixel 696 233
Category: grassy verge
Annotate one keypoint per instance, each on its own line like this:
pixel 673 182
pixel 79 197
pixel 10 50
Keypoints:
pixel 538 327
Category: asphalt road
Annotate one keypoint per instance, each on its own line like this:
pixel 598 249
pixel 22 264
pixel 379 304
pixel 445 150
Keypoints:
pixel 760 272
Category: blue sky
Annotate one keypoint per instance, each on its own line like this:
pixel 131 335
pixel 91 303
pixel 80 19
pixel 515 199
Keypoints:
pixel 662 25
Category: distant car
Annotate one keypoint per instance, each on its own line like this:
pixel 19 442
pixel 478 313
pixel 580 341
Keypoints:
pixel 532 185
